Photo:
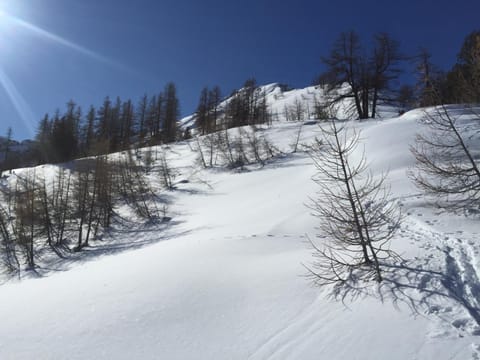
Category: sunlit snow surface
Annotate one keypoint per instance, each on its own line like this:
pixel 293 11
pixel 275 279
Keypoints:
pixel 226 279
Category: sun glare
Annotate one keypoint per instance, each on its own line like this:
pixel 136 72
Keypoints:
pixel 4 9
pixel 9 23
pixel 7 16
pixel 18 101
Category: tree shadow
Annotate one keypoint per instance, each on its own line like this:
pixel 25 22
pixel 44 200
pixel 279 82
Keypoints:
pixel 420 289
pixel 115 241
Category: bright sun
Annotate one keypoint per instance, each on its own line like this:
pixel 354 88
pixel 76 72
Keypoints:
pixel 7 8
pixel 3 11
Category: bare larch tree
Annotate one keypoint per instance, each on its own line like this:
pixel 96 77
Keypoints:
pixel 357 217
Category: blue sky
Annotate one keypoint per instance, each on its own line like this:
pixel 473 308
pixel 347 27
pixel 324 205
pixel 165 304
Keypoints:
pixel 52 51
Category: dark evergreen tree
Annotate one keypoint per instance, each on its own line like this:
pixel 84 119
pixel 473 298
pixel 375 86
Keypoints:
pixel 104 125
pixel 159 115
pixel 463 81
pixel 214 99
pixel 247 106
pixel 64 136
pixel 6 164
pixel 151 117
pixel 89 132
pixel 426 72
pixel 127 120
pixel 201 114
pixel 172 113
pixel 142 115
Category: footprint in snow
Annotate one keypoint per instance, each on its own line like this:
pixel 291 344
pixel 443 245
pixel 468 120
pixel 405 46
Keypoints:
pixel 475 352
pixel 460 323
pixel 435 309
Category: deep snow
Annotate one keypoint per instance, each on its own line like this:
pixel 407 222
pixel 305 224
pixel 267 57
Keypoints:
pixel 226 279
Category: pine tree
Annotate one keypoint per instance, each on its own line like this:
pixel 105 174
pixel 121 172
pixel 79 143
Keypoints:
pixel 172 113
pixel 214 99
pixel 89 133
pixel 142 115
pixel 201 114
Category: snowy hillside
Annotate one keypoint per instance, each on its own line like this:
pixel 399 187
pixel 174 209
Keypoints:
pixel 287 104
pixel 226 278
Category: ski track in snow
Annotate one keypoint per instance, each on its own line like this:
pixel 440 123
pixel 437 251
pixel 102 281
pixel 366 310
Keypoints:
pixel 455 252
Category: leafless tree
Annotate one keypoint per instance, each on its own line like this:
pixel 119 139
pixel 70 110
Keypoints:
pixel 296 140
pixel 298 110
pixel 369 78
pixel 60 200
pixel 226 148
pixel 85 196
pixel 7 242
pixel 199 150
pixel 447 166
pixel 357 217
pixel 131 185
pixel 26 219
pixel 46 219
pixel 167 174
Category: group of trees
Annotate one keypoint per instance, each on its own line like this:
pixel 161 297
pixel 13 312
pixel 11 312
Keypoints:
pixel 246 106
pixel 64 213
pixel 354 208
pixel 446 164
pixel 114 126
pixel 208 111
pixel 356 215
pixel 461 84
pixel 369 75
pixel 225 148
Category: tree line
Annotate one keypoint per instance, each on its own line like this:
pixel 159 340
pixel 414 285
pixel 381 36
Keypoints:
pixel 246 106
pixel 114 126
pixel 370 71
pixel 461 84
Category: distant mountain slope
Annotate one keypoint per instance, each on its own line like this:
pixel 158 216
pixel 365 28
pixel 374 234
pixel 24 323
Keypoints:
pixel 286 104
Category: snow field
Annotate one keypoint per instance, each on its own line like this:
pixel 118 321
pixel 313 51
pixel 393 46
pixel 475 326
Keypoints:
pixel 226 279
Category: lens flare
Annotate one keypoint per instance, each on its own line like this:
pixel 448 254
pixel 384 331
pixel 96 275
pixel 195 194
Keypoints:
pixel 46 35
pixel 21 106
pixel 9 21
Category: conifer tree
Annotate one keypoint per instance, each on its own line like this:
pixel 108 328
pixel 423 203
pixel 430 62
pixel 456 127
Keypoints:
pixel 172 113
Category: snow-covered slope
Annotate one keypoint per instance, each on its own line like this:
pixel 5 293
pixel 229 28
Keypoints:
pixel 226 279
pixel 285 104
